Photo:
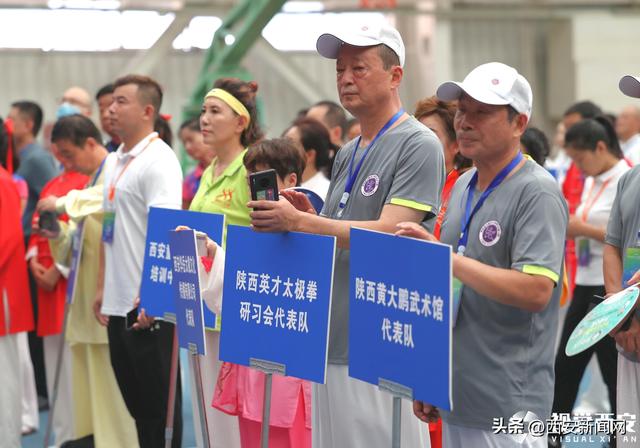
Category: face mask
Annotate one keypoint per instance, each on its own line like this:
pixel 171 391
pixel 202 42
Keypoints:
pixel 66 109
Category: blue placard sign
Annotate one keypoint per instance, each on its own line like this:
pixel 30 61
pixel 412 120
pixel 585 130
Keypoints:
pixel 156 290
pixel 400 315
pixel 276 301
pixel 186 290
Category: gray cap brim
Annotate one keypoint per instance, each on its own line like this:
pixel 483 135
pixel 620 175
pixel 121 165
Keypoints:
pixel 630 86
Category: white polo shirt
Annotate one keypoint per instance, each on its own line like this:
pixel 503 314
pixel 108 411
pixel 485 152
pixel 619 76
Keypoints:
pixel 597 199
pixel 152 179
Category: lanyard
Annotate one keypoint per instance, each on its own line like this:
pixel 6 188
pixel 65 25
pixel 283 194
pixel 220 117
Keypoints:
pixel 95 179
pixel 112 187
pixel 468 215
pixel 354 174
pixel 588 206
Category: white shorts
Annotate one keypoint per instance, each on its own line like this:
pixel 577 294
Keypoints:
pixel 351 413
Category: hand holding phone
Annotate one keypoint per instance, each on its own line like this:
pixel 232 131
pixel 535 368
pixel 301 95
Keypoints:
pixel 49 221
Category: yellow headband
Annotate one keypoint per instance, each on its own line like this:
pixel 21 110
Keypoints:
pixel 231 101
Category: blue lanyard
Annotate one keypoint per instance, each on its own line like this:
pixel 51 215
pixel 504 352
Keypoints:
pixel 468 215
pixel 354 174
pixel 95 179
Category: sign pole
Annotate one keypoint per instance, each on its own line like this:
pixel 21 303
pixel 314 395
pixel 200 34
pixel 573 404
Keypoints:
pixel 171 402
pixel 56 381
pixel 266 411
pixel 194 359
pixel 397 420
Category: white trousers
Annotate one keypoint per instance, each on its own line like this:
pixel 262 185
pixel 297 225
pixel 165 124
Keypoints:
pixel 10 392
pixel 63 428
pixel 628 398
pixel 454 436
pixel 223 429
pixel 30 418
pixel 351 413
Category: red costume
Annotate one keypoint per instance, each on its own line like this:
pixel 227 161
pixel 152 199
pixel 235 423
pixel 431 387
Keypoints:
pixel 13 269
pixel 51 303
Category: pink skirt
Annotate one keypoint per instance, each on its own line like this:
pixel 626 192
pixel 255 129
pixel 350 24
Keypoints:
pixel 240 391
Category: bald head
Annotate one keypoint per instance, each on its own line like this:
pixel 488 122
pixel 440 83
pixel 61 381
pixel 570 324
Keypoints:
pixel 628 123
pixel 78 97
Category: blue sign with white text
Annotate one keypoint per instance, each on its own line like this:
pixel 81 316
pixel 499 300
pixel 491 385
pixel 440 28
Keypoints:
pixel 156 290
pixel 277 297
pixel 400 315
pixel 186 287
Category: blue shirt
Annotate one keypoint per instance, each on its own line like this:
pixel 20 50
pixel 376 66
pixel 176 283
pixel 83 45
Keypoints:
pixel 37 167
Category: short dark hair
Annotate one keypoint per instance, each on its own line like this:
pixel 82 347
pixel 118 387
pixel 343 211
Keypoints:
pixel 536 144
pixel 280 154
pixel 105 90
pixel 314 135
pixel 388 56
pixel 193 124
pixel 335 115
pixel 76 129
pixel 149 91
pixel 586 134
pixel 163 128
pixel 446 111
pixel 33 111
pixel 245 92
pixel 586 109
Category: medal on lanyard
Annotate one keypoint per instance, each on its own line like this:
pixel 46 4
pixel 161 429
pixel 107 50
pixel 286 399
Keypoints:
pixel 458 286
pixel 354 174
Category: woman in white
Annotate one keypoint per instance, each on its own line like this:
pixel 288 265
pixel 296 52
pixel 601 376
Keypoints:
pixel 593 146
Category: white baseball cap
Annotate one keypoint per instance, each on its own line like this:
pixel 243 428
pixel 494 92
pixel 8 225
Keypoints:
pixel 362 35
pixel 630 86
pixel 492 83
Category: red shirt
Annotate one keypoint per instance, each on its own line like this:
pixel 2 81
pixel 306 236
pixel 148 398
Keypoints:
pixel 13 269
pixel 51 303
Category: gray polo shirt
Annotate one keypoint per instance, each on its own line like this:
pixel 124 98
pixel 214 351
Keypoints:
pixel 405 167
pixel 624 220
pixel 503 356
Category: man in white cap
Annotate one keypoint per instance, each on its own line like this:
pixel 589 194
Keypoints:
pixel 393 173
pixel 509 234
pixel 620 254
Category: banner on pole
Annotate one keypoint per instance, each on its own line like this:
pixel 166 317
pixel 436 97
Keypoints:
pixel 400 315
pixel 186 289
pixel 156 289
pixel 277 297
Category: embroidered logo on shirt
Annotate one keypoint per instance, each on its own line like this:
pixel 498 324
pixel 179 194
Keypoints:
pixel 225 197
pixel 490 233
pixel 370 185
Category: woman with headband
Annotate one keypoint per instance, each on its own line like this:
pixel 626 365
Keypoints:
pixel 229 124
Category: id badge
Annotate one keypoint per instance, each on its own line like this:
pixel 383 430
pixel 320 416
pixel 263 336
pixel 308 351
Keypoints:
pixel 456 286
pixel 108 226
pixel 631 264
pixel 584 252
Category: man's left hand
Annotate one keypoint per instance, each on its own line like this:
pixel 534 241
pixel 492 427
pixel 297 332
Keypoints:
pixel 274 216
pixel 144 321
pixel 47 278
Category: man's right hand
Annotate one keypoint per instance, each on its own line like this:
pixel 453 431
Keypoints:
pixel 425 412
pixel 47 204
pixel 102 319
